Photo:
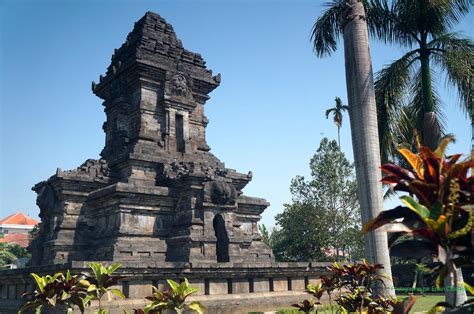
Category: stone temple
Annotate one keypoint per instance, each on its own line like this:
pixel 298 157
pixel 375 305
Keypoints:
pixel 157 193
pixel 158 201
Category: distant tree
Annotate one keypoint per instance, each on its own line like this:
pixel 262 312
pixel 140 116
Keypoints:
pixel 337 111
pixel 324 213
pixel 267 235
pixel 9 252
pixel 301 233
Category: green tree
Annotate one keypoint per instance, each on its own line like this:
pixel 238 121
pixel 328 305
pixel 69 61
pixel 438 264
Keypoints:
pixel 337 111
pixel 301 233
pixel 9 252
pixel 267 235
pixel 324 212
pixel 349 18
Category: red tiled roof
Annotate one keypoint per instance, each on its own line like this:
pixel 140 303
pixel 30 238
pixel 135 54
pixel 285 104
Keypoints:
pixel 18 238
pixel 18 219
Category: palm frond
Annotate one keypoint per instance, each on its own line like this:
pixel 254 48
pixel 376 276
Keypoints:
pixel 384 24
pixel 329 111
pixel 327 29
pixel 457 10
pixel 390 87
pixel 455 56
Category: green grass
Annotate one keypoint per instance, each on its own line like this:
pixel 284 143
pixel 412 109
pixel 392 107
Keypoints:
pixel 424 303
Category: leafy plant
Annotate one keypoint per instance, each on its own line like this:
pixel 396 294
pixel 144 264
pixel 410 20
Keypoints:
pixel 173 299
pixel 57 290
pixel 438 209
pixel 306 306
pixel 102 283
pixel 9 252
pixel 355 283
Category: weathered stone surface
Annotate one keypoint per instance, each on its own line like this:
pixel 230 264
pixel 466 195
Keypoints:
pixel 218 286
pixel 157 194
pixel 240 286
pixel 298 284
pixel 280 284
pixel 261 285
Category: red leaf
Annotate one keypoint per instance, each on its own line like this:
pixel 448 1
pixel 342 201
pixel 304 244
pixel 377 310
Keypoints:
pixel 402 173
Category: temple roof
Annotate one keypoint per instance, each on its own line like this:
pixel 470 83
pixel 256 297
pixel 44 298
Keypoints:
pixel 154 42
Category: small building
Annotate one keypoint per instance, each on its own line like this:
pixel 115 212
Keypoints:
pixel 17 223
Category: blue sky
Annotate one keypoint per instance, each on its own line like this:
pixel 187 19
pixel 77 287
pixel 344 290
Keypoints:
pixel 267 116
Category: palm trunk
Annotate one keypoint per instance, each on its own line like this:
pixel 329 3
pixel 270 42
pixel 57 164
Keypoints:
pixel 365 141
pixel 430 128
pixel 455 293
pixel 339 137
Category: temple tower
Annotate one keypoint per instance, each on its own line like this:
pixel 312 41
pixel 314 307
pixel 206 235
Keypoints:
pixel 157 194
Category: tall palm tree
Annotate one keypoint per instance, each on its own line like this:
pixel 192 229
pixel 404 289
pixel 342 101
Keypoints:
pixel 423 27
pixel 337 116
pixel 362 114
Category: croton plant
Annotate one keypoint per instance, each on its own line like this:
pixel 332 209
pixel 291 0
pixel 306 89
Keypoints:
pixel 437 209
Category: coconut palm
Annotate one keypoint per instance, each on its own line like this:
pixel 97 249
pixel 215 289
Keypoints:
pixel 423 27
pixel 337 116
pixel 348 17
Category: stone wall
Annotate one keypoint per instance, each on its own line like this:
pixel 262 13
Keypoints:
pixel 231 287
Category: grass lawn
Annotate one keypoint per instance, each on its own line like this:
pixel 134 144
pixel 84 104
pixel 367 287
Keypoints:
pixel 422 304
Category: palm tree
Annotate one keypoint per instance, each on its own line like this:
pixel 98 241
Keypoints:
pixel 422 26
pixel 337 116
pixel 362 114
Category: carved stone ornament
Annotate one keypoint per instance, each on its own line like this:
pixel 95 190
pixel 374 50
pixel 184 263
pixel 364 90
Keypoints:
pixel 46 199
pixel 220 193
pixel 178 87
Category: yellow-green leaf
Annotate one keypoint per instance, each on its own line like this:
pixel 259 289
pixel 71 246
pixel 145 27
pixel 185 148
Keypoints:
pixel 412 204
pixel 196 306
pixel 468 287
pixel 414 160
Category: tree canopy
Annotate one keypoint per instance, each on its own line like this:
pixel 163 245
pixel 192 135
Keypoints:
pixel 323 217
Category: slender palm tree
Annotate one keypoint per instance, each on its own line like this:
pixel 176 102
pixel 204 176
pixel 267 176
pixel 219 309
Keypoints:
pixel 362 113
pixel 423 27
pixel 337 116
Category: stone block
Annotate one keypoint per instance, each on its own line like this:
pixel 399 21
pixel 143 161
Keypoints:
pixel 138 289
pixel 218 286
pixel 3 291
pixel 261 285
pixel 198 283
pixel 240 286
pixel 280 284
pixel 11 291
pixel 297 284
